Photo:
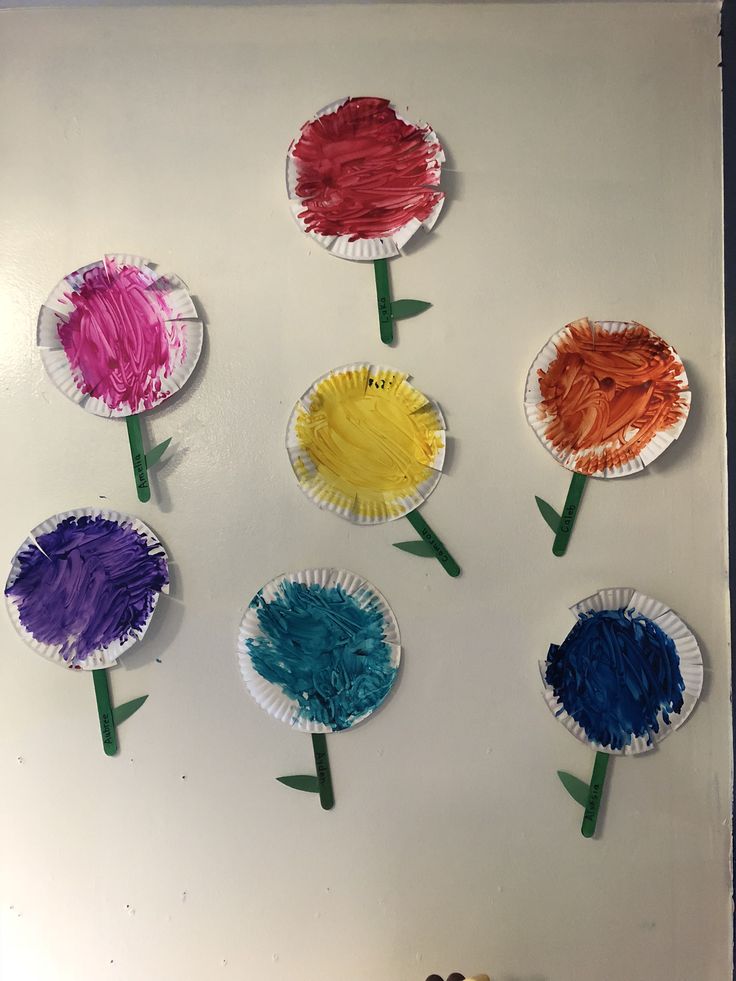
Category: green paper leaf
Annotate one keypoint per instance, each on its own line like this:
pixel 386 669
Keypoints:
pixel 402 309
pixel 424 549
pixel 122 712
pixel 576 788
pixel 549 514
pixel 307 783
pixel 154 455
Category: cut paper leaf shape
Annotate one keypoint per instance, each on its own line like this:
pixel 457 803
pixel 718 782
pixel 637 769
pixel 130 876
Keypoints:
pixel 82 590
pixel 361 181
pixel 118 338
pixel 628 673
pixel 368 446
pixel 319 650
pixel 606 399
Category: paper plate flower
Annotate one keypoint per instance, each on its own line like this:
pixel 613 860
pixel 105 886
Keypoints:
pixel 627 674
pixel 82 589
pixel 368 446
pixel 361 181
pixel 118 339
pixel 605 398
pixel 319 649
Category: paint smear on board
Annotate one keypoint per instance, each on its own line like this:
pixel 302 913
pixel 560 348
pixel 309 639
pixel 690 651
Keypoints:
pixel 120 338
pixel 614 673
pixel 363 172
pixel 324 650
pixel 372 438
pixel 609 393
pixel 90 582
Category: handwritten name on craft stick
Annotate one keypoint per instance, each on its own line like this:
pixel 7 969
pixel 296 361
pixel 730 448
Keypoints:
pixel 567 517
pixel 139 465
pixel 106 727
pixel 428 536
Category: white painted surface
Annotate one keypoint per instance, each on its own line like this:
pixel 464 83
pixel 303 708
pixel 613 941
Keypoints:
pixel 584 179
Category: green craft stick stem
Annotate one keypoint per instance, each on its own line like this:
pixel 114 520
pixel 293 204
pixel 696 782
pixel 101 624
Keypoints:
pixel 104 711
pixel 595 795
pixel 138 456
pixel 569 513
pixel 383 296
pixel 324 777
pixel 443 556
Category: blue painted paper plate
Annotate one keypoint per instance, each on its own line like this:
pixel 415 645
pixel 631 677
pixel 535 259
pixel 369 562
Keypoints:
pixel 628 673
pixel 319 649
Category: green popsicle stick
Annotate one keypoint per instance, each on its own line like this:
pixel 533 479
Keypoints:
pixel 569 513
pixel 595 796
pixel 324 776
pixel 138 456
pixel 104 711
pixel 383 296
pixel 443 556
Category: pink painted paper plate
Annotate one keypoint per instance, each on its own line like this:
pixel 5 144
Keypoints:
pixel 117 337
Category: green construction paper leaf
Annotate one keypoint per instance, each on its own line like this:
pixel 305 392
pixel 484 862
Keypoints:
pixel 122 712
pixel 308 783
pixel 154 455
pixel 549 514
pixel 424 549
pixel 402 309
pixel 578 789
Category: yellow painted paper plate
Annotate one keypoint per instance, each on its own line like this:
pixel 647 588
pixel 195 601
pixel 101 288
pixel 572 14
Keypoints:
pixel 366 444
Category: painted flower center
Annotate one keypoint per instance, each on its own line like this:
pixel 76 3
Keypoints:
pixel 614 673
pixel 607 395
pixel 324 650
pixel 363 172
pixel 120 340
pixel 89 582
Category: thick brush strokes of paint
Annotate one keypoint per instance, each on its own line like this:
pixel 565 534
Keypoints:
pixel 89 583
pixel 119 338
pixel 609 393
pixel 368 443
pixel 363 172
pixel 614 672
pixel 324 650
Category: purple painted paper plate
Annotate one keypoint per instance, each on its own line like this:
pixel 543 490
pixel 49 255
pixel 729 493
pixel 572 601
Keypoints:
pixel 84 584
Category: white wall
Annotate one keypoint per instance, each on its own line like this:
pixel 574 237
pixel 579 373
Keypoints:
pixel 584 179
